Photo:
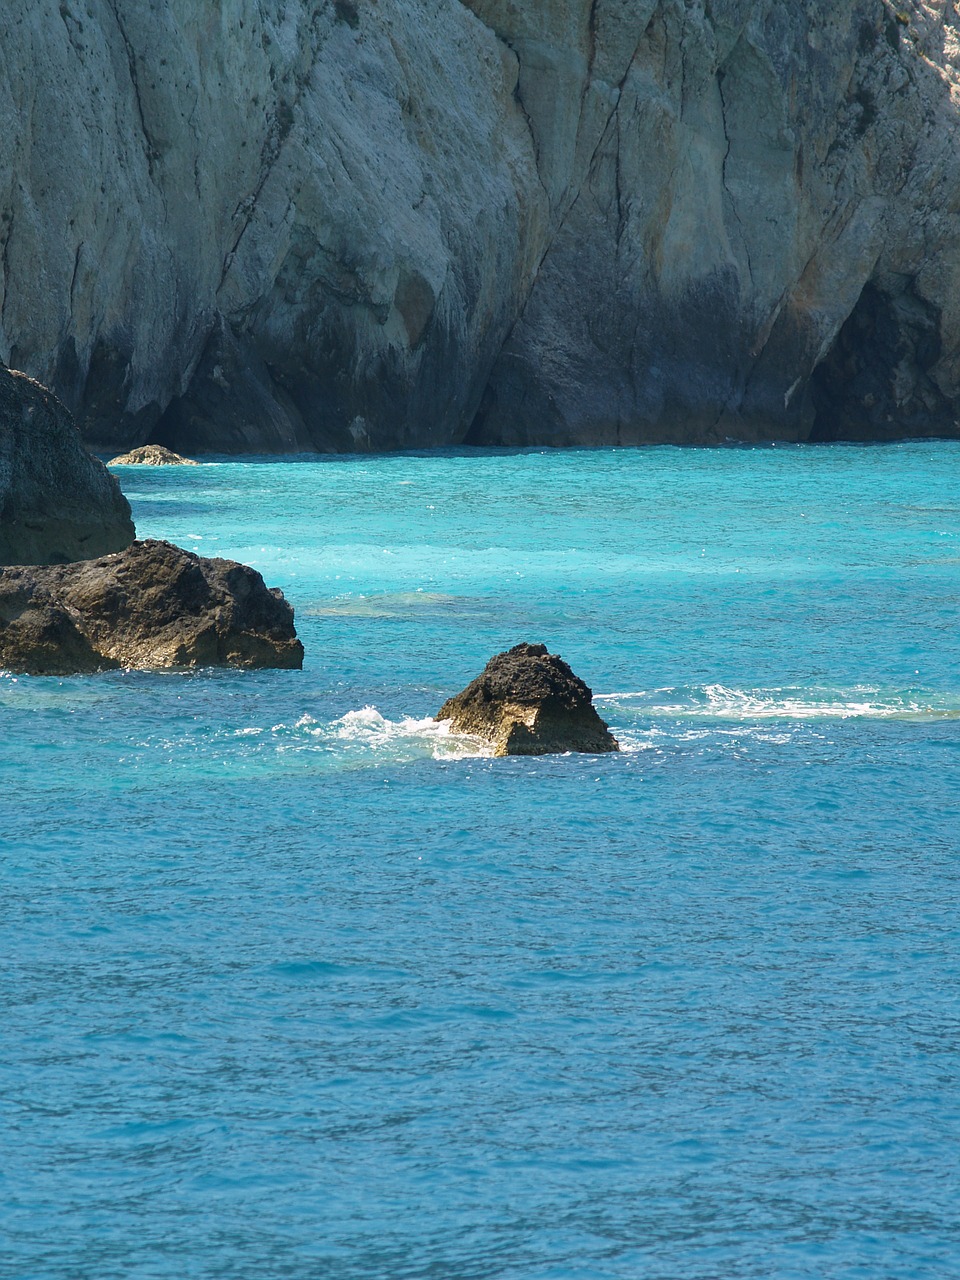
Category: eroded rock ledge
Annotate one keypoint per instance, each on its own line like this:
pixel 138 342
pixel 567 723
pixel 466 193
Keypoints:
pixel 528 702
pixel 152 606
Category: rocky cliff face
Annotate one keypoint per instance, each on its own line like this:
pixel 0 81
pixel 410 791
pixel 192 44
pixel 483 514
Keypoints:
pixel 763 242
pixel 372 224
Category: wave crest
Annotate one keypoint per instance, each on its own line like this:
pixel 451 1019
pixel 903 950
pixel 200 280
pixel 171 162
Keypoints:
pixel 368 727
pixel 720 702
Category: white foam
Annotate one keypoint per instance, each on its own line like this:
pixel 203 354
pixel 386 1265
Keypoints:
pixel 719 702
pixel 368 727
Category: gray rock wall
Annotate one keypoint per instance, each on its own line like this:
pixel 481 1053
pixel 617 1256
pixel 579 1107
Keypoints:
pixel 765 243
pixel 57 503
pixel 377 224
pixel 275 225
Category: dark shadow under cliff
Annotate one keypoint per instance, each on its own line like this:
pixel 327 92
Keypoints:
pixel 876 382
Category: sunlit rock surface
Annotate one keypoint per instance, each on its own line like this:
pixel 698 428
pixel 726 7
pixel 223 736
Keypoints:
pixel 153 606
pixel 527 702
pixel 151 455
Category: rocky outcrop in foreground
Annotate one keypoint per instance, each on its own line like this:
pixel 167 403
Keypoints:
pixel 527 702
pixel 151 455
pixel 152 606
pixel 57 503
pixel 279 225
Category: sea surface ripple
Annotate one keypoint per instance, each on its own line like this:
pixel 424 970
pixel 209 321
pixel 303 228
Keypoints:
pixel 297 983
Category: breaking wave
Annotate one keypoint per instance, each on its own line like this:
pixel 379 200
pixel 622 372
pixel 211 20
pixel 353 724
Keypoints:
pixel 719 702
pixel 370 728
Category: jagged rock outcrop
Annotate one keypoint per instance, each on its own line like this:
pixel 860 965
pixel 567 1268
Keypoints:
pixel 152 606
pixel 151 455
pixel 57 503
pixel 345 225
pixel 527 702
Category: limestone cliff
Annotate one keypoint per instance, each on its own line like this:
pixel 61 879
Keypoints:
pixel 762 240
pixel 372 224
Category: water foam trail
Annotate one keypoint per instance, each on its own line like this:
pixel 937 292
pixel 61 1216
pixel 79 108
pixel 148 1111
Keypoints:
pixel 370 728
pixel 719 702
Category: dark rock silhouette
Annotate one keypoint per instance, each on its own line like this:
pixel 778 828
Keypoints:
pixel 57 503
pixel 527 702
pixel 152 606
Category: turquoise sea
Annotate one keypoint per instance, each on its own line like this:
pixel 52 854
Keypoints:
pixel 297 986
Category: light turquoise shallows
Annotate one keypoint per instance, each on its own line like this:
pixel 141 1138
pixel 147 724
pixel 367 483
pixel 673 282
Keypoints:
pixel 296 985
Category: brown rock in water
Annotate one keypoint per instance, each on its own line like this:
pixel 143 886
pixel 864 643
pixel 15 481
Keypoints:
pixel 527 702
pixel 151 455
pixel 152 606
pixel 57 502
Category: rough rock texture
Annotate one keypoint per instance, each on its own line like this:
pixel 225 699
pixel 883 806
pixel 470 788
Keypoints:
pixel 151 606
pixel 151 455
pixel 57 503
pixel 764 240
pixel 527 702
pixel 262 224
pixel 373 224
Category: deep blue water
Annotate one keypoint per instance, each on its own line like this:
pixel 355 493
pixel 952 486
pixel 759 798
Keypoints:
pixel 296 985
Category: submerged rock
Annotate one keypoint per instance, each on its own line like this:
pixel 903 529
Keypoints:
pixel 152 606
pixel 57 503
pixel 527 702
pixel 151 455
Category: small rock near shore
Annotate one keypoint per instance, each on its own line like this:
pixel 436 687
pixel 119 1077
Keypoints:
pixel 151 455
pixel 152 606
pixel 527 702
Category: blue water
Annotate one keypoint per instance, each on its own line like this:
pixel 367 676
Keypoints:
pixel 296 984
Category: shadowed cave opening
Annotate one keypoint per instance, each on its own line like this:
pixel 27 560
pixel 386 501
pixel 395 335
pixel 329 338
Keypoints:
pixel 876 382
